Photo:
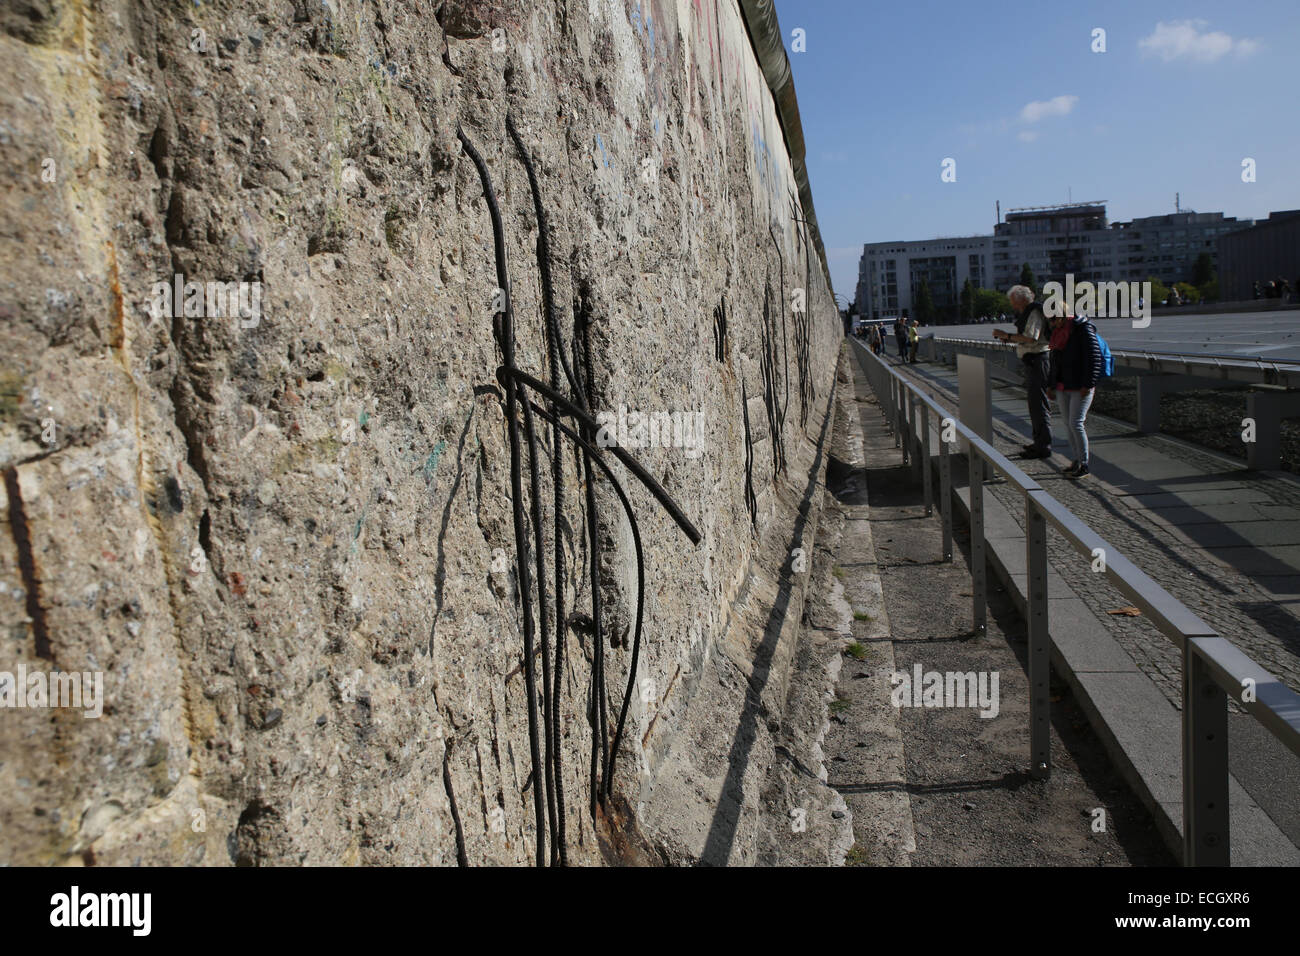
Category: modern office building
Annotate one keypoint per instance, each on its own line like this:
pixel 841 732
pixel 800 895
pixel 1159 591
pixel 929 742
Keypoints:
pixel 1267 251
pixel 890 274
pixel 1076 238
pixel 1054 240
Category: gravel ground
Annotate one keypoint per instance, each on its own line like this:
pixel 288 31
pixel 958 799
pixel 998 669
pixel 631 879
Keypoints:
pixel 1211 418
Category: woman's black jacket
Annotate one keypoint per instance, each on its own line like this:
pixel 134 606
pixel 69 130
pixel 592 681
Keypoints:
pixel 1079 364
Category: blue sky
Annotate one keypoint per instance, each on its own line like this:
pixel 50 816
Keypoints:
pixel 1013 92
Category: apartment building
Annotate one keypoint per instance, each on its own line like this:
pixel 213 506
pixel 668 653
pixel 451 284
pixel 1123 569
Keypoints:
pixel 890 273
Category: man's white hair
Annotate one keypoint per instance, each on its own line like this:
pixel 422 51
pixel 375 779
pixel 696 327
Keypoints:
pixel 1020 293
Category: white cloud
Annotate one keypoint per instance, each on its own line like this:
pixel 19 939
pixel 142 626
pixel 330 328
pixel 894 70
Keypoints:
pixel 1041 109
pixel 1027 136
pixel 1184 39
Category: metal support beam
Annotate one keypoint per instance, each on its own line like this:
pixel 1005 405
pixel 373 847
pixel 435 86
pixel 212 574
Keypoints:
pixel 1040 644
pixel 914 433
pixel 1205 763
pixel 900 412
pixel 978 562
pixel 926 460
pixel 975 396
pixel 1149 390
pixel 1265 452
pixel 945 493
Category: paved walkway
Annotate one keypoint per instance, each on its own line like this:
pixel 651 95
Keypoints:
pixel 1223 540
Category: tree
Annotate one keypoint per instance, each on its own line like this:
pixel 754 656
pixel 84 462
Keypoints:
pixel 924 305
pixel 1202 270
pixel 1027 278
pixel 1210 291
pixel 1159 291
pixel 968 300
pixel 990 302
pixel 1188 291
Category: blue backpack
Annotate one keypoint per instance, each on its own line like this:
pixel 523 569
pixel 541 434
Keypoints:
pixel 1107 360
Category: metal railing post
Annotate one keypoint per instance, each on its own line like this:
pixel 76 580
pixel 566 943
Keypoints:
pixel 904 421
pixel 1205 764
pixel 977 559
pixel 893 407
pixel 897 396
pixel 926 480
pixel 913 410
pixel 945 494
pixel 1040 648
pixel 892 389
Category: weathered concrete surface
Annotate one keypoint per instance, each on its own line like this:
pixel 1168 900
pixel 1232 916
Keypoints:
pixel 758 703
pixel 869 759
pixel 277 538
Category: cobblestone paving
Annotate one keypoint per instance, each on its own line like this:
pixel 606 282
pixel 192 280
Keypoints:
pixel 1222 596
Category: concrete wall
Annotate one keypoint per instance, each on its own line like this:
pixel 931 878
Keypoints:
pixel 286 541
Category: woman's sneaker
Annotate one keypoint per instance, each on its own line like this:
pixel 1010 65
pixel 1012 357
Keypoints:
pixel 1071 469
pixel 1080 472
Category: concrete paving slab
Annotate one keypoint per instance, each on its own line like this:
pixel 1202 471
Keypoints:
pixel 1200 495
pixel 1260 561
pixel 1273 510
pixel 1213 514
pixel 1142 723
pixel 1129 475
pixel 1265 535
pixel 1125 449
pixel 1202 482
pixel 1075 636
pixel 1281 587
pixel 1274 778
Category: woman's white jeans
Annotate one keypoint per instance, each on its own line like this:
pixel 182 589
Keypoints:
pixel 1074 411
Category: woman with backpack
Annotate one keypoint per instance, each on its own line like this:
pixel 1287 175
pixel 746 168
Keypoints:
pixel 1077 366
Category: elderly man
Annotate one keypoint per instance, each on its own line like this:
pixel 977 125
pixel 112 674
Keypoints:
pixel 1032 338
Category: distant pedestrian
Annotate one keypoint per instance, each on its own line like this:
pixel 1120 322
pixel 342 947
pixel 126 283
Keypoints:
pixel 900 337
pixel 1077 367
pixel 913 339
pixel 1031 339
pixel 873 340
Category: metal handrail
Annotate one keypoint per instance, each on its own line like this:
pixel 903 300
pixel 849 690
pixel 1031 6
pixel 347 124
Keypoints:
pixel 1249 370
pixel 1213 667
